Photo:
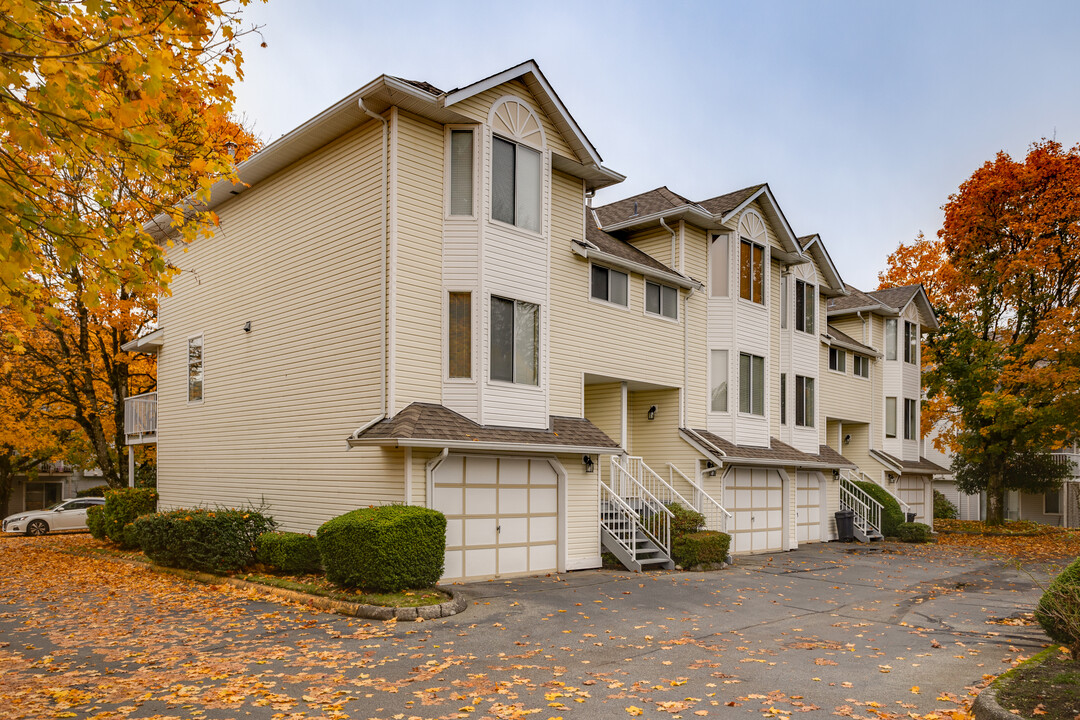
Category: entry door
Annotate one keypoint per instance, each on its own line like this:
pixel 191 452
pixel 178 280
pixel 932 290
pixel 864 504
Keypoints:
pixel 501 515
pixel 808 493
pixel 756 498
pixel 912 490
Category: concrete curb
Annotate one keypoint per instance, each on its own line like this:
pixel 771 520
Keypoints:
pixel 986 707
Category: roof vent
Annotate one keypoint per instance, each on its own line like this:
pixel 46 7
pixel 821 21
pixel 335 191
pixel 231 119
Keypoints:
pixel 635 210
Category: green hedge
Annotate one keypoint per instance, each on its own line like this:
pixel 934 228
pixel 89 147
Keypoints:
pixel 212 540
pixel 289 552
pixel 700 548
pixel 121 507
pixel 95 521
pixel 914 532
pixel 891 514
pixel 1058 610
pixel 387 548
pixel 684 520
pixel 943 507
pixel 96 491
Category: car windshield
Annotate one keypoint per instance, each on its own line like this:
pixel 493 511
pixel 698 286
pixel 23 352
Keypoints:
pixel 56 506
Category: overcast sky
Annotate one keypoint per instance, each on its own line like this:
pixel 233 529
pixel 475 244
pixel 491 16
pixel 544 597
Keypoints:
pixel 862 116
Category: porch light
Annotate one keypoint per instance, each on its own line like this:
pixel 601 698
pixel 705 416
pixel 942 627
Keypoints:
pixel 587 461
pixel 836 474
pixel 892 477
pixel 652 412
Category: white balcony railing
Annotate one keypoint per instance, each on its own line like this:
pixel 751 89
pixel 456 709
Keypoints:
pixel 140 418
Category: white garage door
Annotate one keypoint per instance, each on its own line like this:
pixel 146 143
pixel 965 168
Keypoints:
pixel 808 494
pixel 501 515
pixel 756 499
pixel 912 490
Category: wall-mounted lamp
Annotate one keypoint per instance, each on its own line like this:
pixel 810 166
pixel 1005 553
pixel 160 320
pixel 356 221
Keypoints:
pixel 847 439
pixel 652 412
pixel 587 461
pixel 247 326
pixel 710 469
pixel 892 477
pixel 835 472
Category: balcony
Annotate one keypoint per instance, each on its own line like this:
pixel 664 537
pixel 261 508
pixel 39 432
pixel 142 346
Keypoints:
pixel 1067 457
pixel 140 419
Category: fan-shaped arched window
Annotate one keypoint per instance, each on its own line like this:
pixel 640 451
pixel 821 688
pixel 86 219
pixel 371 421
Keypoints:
pixel 516 164
pixel 752 241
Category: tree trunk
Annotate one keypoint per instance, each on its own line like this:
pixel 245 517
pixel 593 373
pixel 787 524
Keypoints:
pixel 995 499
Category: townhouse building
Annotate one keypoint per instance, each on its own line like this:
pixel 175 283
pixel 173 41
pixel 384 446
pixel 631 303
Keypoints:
pixel 410 298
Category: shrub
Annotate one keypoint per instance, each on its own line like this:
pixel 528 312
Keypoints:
pixel 685 520
pixel 700 548
pixel 212 540
pixel 1058 610
pixel 96 491
pixel 914 532
pixel 95 521
pixel 943 507
pixel 289 552
pixel 891 515
pixel 122 506
pixel 386 548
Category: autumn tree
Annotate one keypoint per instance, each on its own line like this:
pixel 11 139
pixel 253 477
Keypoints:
pixel 1005 273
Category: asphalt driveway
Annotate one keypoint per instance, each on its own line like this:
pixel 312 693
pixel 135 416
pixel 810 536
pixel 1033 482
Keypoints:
pixel 825 630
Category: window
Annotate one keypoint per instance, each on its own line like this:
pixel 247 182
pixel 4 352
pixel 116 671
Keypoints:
pixel 719 370
pixel 804 306
pixel 838 360
pixel 751 384
pixel 1052 503
pixel 783 398
pixel 515 335
pixel 609 285
pixel 195 369
pixel 661 300
pixel 752 272
pixel 890 339
pixel 911 342
pixel 861 365
pixel 804 401
pixel 461 172
pixel 911 419
pixel 515 184
pixel 719 266
pixel 890 417
pixel 783 301
pixel 460 335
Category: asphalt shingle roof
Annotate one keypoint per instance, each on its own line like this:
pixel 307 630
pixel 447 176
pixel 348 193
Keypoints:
pixel 620 248
pixel 425 86
pixel 849 341
pixel 895 297
pixel 777 451
pixel 920 467
pixel 726 203
pixel 647 203
pixel 855 298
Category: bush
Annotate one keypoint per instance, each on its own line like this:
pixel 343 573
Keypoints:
pixel 700 548
pixel 289 552
pixel 1059 609
pixel 217 540
pixel 685 521
pixel 914 532
pixel 95 521
pixel 387 548
pixel 891 515
pixel 96 491
pixel 943 508
pixel 122 506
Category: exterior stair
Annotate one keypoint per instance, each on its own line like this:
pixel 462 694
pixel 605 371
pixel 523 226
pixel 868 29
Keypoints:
pixel 642 552
pixel 867 510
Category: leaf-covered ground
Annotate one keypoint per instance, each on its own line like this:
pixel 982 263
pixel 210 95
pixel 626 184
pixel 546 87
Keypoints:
pixel 1024 540
pixel 825 631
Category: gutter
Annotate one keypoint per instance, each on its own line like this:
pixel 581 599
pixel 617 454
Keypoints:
pixel 482 445
pixel 590 251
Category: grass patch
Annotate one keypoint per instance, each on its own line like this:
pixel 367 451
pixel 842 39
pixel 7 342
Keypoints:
pixel 319 585
pixel 1045 687
pixel 1011 528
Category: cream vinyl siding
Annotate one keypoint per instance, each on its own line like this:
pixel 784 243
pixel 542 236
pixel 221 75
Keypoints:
pixel 657 441
pixel 844 396
pixel 720 335
pixel 298 256
pixel 695 257
pixel 603 408
pixel 582 511
pixel 418 299
pixel 912 380
pixel 804 360
pixel 656 241
pixel 479 107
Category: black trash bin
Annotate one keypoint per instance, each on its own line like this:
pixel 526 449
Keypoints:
pixel 911 517
pixel 845 525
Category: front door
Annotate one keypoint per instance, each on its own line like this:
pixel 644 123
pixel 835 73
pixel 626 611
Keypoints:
pixel 808 507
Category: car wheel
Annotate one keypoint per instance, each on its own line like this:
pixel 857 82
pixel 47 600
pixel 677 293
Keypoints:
pixel 37 527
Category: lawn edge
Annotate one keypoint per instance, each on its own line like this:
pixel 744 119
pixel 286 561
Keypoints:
pixel 986 706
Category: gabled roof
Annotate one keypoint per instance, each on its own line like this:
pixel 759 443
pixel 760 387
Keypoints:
pixel 723 204
pixel 839 339
pixel 778 454
pixel 887 301
pixel 436 426
pixel 922 466
pixel 812 245
pixel 855 301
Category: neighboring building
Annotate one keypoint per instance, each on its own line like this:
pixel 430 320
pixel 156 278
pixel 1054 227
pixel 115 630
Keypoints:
pixel 51 483
pixel 410 299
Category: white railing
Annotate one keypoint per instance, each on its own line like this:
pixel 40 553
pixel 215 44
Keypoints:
pixel 1071 458
pixel 904 507
pixel 867 510
pixel 619 519
pixel 716 516
pixel 140 415
pixel 654 519
pixel 660 488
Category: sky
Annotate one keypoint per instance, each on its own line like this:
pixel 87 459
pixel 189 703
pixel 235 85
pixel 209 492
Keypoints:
pixel 863 117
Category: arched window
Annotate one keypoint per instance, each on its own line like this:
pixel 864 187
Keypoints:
pixel 517 164
pixel 752 243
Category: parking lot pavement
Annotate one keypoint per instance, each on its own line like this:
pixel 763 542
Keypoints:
pixel 822 630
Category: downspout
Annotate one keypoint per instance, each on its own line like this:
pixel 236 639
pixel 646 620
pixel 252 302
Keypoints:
pixel 673 241
pixel 686 353
pixel 382 273
pixel 429 472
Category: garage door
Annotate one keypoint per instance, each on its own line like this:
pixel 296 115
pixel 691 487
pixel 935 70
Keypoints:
pixel 501 515
pixel 808 497
pixel 912 490
pixel 756 499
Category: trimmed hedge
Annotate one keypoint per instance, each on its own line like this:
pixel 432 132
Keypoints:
pixel 944 508
pixel 1058 610
pixel 211 540
pixel 95 521
pixel 289 552
pixel 122 506
pixel 684 520
pixel 96 491
pixel 914 532
pixel 388 548
pixel 700 548
pixel 891 514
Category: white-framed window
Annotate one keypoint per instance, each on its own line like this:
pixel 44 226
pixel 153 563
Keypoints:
pixel 804 306
pixel 751 384
pixel 804 401
pixel 784 300
pixel 195 369
pixel 661 300
pixel 911 342
pixel 459 336
pixel 719 266
pixel 783 398
pixel 890 417
pixel 515 341
pixel 890 338
pixel 462 181
pixel 860 365
pixel 1052 502
pixel 911 418
pixel 609 285
pixel 516 184
pixel 751 271
pixel 718 369
pixel 838 360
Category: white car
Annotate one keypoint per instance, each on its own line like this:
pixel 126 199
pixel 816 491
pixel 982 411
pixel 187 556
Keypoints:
pixel 65 515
